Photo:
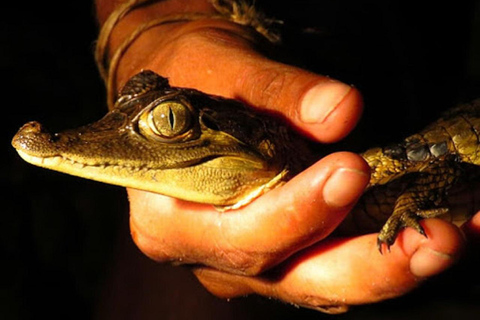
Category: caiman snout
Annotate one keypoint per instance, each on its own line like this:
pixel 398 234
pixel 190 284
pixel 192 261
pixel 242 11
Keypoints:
pixel 34 139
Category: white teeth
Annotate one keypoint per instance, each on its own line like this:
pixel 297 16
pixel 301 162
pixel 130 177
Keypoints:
pixel 53 161
pixel 78 165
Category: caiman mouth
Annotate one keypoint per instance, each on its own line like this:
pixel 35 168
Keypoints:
pixel 229 172
pixel 55 162
pixel 46 162
pixel 39 147
pixel 237 173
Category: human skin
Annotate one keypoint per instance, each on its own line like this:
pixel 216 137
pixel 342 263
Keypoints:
pixel 277 246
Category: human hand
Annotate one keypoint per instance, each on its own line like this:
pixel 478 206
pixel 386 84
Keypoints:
pixel 237 250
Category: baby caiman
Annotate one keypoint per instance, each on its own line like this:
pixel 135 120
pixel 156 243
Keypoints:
pixel 193 146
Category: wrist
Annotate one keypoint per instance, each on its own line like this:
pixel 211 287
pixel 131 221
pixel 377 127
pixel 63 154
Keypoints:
pixel 160 7
pixel 127 21
pixel 150 11
pixel 140 34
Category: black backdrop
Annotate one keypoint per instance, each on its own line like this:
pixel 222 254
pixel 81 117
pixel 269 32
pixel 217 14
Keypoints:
pixel 65 243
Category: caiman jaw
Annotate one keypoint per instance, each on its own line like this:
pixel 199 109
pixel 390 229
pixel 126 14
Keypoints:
pixel 221 175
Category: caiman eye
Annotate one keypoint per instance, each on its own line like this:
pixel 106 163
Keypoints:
pixel 167 120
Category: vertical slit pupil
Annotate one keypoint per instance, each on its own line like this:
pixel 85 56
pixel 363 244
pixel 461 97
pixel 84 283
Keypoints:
pixel 171 118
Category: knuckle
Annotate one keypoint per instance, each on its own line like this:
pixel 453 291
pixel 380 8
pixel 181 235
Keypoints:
pixel 275 86
pixel 271 84
pixel 245 263
pixel 242 261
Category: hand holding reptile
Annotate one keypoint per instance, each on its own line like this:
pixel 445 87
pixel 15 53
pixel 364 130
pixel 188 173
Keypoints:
pixel 219 58
pixel 272 246
pixel 246 242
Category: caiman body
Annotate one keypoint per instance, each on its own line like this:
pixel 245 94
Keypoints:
pixel 197 147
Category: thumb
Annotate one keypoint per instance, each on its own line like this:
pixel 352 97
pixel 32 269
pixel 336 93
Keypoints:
pixel 216 61
pixel 322 108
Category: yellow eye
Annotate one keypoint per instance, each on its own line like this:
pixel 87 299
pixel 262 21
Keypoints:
pixel 167 120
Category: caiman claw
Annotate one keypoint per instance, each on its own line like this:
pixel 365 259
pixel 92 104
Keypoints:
pixel 394 225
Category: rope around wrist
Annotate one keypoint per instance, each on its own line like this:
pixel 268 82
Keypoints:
pixel 237 11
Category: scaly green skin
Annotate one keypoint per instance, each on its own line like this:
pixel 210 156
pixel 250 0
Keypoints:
pixel 186 144
pixel 429 163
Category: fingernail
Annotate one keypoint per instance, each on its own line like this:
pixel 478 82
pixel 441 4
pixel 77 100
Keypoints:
pixel 427 262
pixel 320 101
pixel 344 187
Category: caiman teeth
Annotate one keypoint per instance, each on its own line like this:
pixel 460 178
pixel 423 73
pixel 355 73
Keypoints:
pixel 51 162
pixel 54 162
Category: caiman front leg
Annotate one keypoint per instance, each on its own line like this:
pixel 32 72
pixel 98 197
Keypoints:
pixel 422 199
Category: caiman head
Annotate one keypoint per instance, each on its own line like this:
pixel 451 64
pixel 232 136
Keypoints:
pixel 173 141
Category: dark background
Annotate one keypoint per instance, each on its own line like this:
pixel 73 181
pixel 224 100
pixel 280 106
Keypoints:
pixel 65 246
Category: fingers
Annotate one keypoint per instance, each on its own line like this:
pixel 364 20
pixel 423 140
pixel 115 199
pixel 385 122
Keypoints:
pixel 472 228
pixel 256 237
pixel 336 273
